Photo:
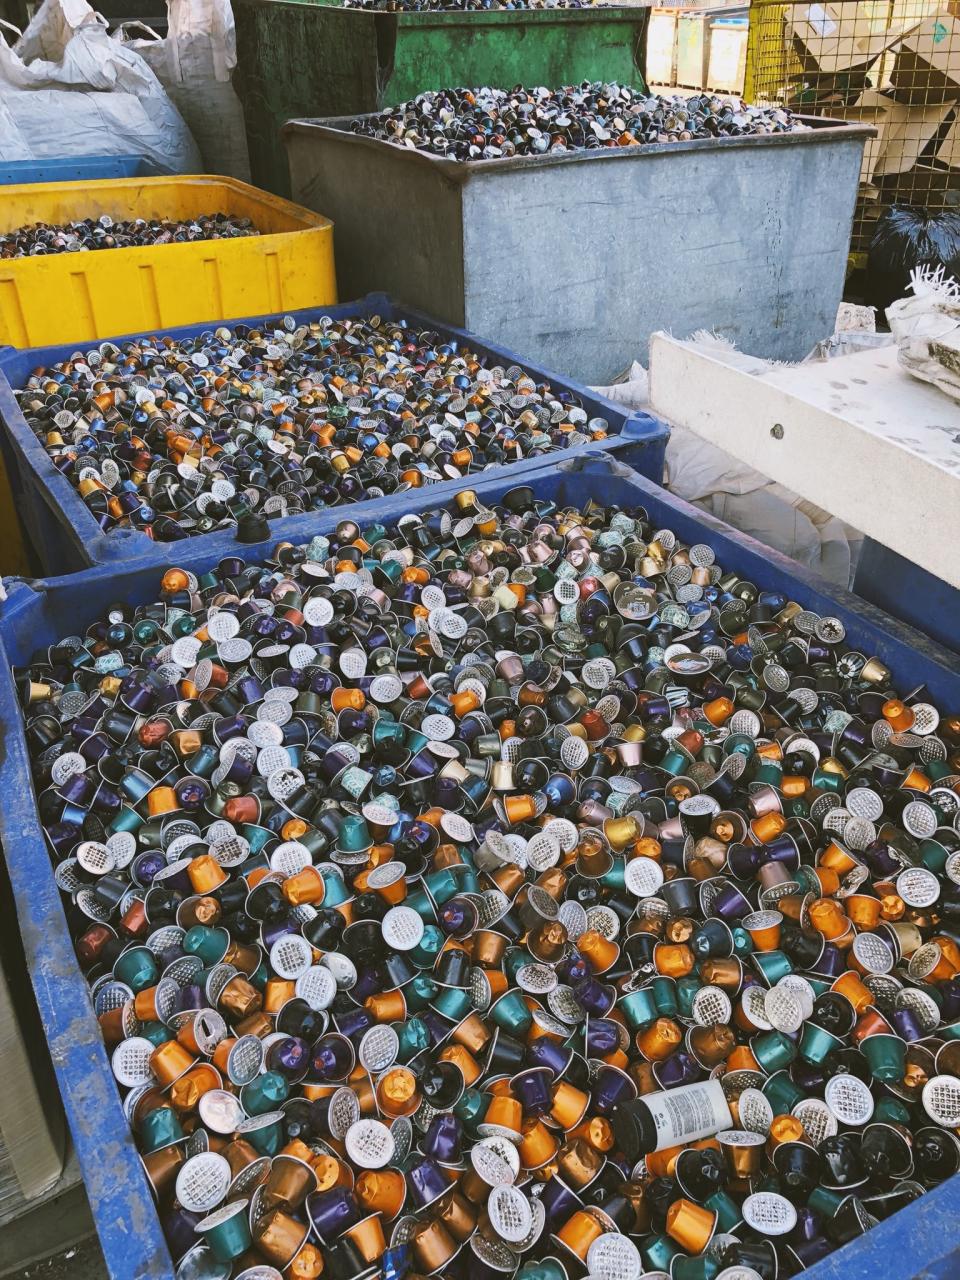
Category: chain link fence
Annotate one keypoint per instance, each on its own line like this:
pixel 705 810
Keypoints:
pixel 894 65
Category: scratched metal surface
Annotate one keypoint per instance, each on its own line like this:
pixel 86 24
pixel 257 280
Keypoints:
pixel 576 259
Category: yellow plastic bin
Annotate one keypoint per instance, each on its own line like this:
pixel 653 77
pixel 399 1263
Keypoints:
pixel 71 297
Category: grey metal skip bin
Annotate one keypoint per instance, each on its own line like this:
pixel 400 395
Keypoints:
pixel 576 258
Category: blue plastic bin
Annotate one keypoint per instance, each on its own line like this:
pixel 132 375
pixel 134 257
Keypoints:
pixel 921 1240
pixel 906 591
pixel 65 537
pixel 78 168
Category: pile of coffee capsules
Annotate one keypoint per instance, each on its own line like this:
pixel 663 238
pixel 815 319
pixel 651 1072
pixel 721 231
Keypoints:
pixel 238 425
pixel 513 892
pixel 119 233
pixel 489 124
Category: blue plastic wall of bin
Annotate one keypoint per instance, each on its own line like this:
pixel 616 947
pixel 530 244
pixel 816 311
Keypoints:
pixel 903 589
pixel 922 1240
pixel 75 168
pixel 65 537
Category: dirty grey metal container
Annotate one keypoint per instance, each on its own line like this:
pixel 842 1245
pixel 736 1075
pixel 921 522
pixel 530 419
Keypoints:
pixel 574 260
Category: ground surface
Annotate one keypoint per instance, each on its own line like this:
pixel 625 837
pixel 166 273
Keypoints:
pixel 81 1262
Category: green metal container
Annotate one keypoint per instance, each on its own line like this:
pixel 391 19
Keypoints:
pixel 298 58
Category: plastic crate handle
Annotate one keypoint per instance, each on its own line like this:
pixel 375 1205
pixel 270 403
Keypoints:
pixel 16 593
pixel 639 425
pixel 596 462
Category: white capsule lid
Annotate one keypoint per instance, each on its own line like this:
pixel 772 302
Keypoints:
pixel 111 994
pixel 923 1007
pixel 369 1144
pixel 250 1177
pixel 402 1129
pixel 849 1098
pixel 783 1009
pixel 563 1004
pixel 253 1124
pixel 495 1254
pixel 711 1007
pixel 509 1212
pixel 491 1166
pixel 917 886
pixel 872 953
pixel 378 1049
pixel 290 858
pixel 941 1100
pixel 753 1002
pixel 387 873
pixel 643 877
pixel 817 1119
pixel 802 989
pixel 131 1061
pixel 919 820
pixel 539 1221
pixel 223 1214
pixel 245 1060
pixel 574 753
pixel 604 920
pixel 220 1111
pixel 203 1182
pixel 342 968
pixel 543 851
pixel 613 1256
pixel 573 916
pixel 291 955
pixel 565 831
pixel 769 1213
pixel 317 986
pixel 536 978
pixel 343 1112
pixel 457 827
pixel 755 1111
pixel 864 803
pixel 402 928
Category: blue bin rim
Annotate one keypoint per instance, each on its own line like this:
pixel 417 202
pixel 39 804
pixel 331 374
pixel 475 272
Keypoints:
pixel 130 1235
pixel 134 165
pixel 68 509
pixel 863 620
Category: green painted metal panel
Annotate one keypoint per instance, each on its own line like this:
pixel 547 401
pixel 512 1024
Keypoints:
pixel 296 58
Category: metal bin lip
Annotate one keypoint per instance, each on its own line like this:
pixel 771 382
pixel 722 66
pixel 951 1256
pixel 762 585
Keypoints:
pixel 336 128
pixel 461 17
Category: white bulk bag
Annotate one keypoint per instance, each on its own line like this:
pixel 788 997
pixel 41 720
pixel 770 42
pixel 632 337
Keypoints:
pixel 194 63
pixel 68 89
